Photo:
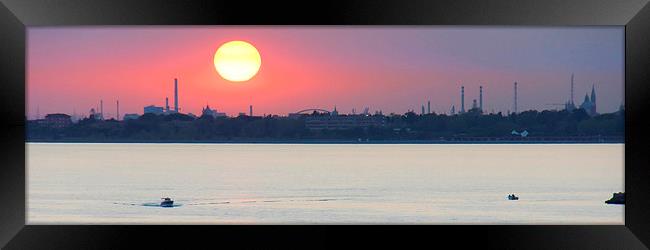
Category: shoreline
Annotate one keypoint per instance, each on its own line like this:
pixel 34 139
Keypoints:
pixel 239 141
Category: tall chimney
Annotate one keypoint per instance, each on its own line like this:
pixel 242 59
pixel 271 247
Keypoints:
pixel 101 108
pixel 515 108
pixel 462 99
pixel 250 110
pixel 166 103
pixel 176 95
pixel 117 117
pixel 572 103
pixel 480 105
pixel 428 107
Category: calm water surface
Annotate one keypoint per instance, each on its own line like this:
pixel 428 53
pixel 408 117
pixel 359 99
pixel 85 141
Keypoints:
pixel 323 183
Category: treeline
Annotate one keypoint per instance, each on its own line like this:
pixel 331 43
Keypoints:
pixel 409 126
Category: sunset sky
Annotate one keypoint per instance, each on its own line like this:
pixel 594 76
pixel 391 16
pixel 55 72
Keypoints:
pixel 388 68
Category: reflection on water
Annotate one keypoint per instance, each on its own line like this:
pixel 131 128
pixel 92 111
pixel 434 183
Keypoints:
pixel 324 183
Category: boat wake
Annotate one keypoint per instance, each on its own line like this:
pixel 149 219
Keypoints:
pixel 149 204
pixel 157 204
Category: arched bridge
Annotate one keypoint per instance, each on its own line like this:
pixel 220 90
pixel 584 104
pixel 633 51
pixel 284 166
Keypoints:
pixel 309 111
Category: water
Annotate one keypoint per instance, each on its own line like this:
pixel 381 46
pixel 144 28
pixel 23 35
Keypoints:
pixel 323 183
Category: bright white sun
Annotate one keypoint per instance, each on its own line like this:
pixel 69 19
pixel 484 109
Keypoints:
pixel 237 61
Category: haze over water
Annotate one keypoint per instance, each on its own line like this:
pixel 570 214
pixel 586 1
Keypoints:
pixel 323 183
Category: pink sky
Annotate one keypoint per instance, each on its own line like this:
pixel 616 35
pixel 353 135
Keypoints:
pixel 392 69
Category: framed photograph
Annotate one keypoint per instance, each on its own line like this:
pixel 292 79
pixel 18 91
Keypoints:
pixel 518 124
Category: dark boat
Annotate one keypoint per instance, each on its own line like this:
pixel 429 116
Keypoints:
pixel 512 197
pixel 617 198
pixel 167 202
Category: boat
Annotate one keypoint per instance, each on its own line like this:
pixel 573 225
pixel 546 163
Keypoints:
pixel 167 202
pixel 617 198
pixel 512 197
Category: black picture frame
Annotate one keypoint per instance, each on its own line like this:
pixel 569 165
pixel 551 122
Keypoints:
pixel 16 15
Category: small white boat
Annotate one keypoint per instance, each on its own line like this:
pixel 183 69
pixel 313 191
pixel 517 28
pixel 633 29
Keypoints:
pixel 167 202
pixel 512 197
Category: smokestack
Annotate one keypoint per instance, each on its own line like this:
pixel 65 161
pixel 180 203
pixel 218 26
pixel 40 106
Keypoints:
pixel 515 109
pixel 250 110
pixel 176 95
pixel 166 103
pixel 428 107
pixel 480 98
pixel 422 109
pixel 462 99
pixel 117 118
pixel 572 89
pixel 101 108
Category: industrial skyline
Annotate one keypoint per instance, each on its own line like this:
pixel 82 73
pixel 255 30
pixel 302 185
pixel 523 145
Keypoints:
pixel 589 105
pixel 389 69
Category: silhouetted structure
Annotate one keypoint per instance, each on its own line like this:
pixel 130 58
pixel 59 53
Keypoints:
pixel 130 117
pixel 151 109
pixel 176 95
pixel 570 105
pixel 515 108
pixel 57 120
pixel 481 99
pixel 211 112
pixel 589 104
pixel 462 99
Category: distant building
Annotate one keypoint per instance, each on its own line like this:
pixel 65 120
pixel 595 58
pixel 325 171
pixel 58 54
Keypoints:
pixel 131 116
pixel 297 115
pixel 57 120
pixel 336 122
pixel 589 104
pixel 211 112
pixel 95 115
pixel 151 109
pixel 335 112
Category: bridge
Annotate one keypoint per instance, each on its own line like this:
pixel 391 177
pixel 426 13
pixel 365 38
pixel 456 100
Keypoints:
pixel 310 111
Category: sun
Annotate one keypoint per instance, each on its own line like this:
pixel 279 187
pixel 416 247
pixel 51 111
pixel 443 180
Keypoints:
pixel 237 61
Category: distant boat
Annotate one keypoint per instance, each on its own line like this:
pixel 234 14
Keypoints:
pixel 512 197
pixel 167 202
pixel 617 198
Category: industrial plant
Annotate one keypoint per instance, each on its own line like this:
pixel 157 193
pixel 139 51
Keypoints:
pixel 165 110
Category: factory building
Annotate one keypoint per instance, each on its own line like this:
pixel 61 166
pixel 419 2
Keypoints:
pixel 152 109
pixel 57 120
